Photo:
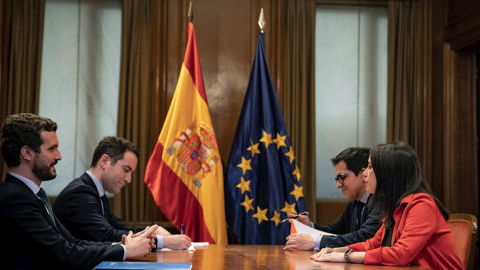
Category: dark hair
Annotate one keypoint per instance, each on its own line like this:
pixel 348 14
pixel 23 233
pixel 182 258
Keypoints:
pixel 399 174
pixel 114 147
pixel 23 129
pixel 356 158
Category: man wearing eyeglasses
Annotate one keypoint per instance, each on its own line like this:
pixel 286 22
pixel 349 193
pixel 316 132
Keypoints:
pixel 357 223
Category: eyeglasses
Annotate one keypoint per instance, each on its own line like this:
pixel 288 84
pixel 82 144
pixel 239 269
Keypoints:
pixel 341 178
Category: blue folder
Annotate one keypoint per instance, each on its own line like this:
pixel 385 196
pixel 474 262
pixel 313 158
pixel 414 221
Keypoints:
pixel 144 265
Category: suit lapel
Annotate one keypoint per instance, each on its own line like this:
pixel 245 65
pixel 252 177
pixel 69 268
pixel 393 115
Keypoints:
pixel 89 182
pixel 12 179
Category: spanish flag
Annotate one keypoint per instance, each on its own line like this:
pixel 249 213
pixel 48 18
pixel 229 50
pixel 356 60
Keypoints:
pixel 185 173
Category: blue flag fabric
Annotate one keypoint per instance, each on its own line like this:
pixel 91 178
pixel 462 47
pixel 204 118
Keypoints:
pixel 263 182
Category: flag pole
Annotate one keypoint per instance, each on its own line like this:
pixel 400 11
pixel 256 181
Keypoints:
pixel 261 21
pixel 190 13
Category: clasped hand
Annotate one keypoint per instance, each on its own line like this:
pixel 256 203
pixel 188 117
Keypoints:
pixel 179 241
pixel 151 235
pixel 141 244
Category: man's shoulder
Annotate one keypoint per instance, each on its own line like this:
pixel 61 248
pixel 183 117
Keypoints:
pixel 13 188
pixel 14 195
pixel 78 186
pixel 350 205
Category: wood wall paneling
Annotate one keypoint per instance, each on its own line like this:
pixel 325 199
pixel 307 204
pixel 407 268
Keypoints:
pixel 462 25
pixel 224 39
pixel 457 130
pixel 328 210
pixel 450 144
pixel 438 169
pixel 465 86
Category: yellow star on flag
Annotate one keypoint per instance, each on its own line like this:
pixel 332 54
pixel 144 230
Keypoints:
pixel 244 185
pixel 267 139
pixel 297 192
pixel 261 215
pixel 297 173
pixel 254 149
pixel 276 218
pixel 290 155
pixel 247 203
pixel 280 141
pixel 289 208
pixel 245 165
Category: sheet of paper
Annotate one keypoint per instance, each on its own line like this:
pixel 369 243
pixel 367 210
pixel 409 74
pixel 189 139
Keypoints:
pixel 304 229
pixel 190 248
pixel 199 244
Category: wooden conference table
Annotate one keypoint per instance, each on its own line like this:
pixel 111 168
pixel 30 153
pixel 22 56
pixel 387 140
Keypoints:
pixel 254 257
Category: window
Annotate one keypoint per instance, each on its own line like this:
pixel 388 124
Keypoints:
pixel 80 79
pixel 350 85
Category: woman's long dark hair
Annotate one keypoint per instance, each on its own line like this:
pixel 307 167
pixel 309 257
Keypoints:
pixel 399 174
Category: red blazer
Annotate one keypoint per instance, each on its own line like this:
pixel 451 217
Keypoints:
pixel 420 236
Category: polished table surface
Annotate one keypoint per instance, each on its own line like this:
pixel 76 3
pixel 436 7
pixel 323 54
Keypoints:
pixel 254 257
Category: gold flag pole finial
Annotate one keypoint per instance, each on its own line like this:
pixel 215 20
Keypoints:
pixel 261 21
pixel 190 12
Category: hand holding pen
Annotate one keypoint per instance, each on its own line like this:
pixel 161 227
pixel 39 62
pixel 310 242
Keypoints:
pixel 302 217
pixel 178 241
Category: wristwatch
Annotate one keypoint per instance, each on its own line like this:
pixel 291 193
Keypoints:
pixel 347 255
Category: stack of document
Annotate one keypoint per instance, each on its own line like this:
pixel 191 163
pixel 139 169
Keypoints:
pixel 190 248
pixel 303 229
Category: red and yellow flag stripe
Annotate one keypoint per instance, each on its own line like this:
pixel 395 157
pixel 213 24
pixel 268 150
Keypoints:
pixel 185 173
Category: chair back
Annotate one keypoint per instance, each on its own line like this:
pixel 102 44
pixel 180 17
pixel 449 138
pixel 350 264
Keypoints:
pixel 464 230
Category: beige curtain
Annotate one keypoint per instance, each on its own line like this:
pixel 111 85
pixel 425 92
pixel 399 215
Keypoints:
pixel 21 31
pixel 402 24
pixel 296 86
pixel 135 202
pixel 423 85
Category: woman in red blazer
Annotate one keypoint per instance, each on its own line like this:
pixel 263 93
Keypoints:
pixel 415 229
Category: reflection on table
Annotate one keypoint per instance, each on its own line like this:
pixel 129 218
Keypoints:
pixel 254 257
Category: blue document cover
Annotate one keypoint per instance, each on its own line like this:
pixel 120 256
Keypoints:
pixel 144 265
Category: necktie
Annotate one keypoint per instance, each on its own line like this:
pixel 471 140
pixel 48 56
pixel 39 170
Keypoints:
pixel 359 208
pixel 104 201
pixel 46 202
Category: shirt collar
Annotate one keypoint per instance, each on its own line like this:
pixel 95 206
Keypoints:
pixel 365 197
pixel 35 189
pixel 97 183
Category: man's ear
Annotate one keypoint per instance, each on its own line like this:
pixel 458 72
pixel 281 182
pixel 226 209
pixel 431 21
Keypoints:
pixel 104 161
pixel 26 153
pixel 361 174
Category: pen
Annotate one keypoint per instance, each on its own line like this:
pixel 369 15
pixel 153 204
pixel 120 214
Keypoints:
pixel 182 229
pixel 296 216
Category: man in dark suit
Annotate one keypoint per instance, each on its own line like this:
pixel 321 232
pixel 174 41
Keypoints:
pixel 83 208
pixel 357 223
pixel 32 237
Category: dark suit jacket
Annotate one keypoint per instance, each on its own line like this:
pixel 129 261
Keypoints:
pixel 345 229
pixel 29 241
pixel 79 208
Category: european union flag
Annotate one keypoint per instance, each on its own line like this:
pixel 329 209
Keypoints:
pixel 263 183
